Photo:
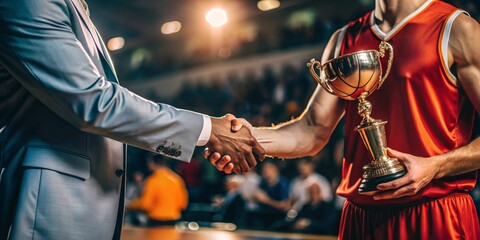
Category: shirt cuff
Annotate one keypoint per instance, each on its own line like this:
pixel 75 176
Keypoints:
pixel 206 131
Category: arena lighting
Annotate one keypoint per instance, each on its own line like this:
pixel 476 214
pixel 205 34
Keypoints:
pixel 216 17
pixel 266 5
pixel 171 27
pixel 115 43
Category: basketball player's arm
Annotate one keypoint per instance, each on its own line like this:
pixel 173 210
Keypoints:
pixel 465 54
pixel 303 136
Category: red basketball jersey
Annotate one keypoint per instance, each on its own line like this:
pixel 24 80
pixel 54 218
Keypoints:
pixel 427 112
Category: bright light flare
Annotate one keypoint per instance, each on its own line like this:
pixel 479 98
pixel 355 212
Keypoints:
pixel 115 43
pixel 171 27
pixel 216 17
pixel 266 5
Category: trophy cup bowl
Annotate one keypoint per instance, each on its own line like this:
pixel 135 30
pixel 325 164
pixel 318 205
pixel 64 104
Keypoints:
pixel 354 77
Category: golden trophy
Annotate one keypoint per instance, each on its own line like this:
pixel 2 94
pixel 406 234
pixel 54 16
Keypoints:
pixel 354 77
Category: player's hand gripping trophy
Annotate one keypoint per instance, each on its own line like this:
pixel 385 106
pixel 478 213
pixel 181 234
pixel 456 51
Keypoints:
pixel 354 77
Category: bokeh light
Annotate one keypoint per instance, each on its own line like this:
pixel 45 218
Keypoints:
pixel 216 17
pixel 115 43
pixel 171 27
pixel 266 5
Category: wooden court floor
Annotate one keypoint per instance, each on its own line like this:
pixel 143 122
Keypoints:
pixel 172 233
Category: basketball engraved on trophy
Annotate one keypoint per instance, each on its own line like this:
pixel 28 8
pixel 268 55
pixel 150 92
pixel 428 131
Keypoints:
pixel 354 77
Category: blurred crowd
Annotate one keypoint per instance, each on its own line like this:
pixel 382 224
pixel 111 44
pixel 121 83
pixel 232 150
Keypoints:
pixel 281 195
pixel 286 38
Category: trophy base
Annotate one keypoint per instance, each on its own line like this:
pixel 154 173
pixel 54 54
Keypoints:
pixel 368 186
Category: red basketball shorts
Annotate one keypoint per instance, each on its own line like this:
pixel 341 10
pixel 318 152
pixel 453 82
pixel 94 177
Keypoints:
pixel 451 217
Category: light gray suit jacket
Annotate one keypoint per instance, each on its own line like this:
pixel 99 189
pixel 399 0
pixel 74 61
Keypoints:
pixel 63 118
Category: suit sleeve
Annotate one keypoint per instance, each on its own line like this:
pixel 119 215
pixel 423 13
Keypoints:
pixel 39 48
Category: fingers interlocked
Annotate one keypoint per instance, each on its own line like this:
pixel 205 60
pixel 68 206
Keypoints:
pixel 232 147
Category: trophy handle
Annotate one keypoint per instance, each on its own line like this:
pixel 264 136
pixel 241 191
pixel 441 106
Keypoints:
pixel 385 46
pixel 320 79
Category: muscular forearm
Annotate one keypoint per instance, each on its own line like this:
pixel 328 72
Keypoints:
pixel 309 133
pixel 466 57
pixel 461 160
pixel 292 139
pixel 305 135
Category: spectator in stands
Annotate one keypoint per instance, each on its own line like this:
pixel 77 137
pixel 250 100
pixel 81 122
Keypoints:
pixel 316 215
pixel 232 205
pixel 164 195
pixel 248 188
pixel 299 188
pixel 212 181
pixel 192 174
pixel 272 196
pixel 133 191
pixel 273 190
pixel 134 186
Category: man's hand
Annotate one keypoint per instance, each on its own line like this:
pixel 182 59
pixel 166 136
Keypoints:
pixel 225 163
pixel 237 145
pixel 420 171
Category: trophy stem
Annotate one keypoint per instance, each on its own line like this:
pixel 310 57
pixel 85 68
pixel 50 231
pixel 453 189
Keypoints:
pixel 382 168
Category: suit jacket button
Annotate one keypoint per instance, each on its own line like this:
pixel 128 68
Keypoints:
pixel 178 153
pixel 165 150
pixel 160 148
pixel 119 172
pixel 172 152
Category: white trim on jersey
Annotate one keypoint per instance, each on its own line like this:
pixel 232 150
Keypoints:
pixel 445 38
pixel 386 36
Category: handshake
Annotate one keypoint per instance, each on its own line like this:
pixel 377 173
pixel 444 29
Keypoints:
pixel 232 147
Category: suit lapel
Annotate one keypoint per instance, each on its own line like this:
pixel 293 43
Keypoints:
pixel 95 35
